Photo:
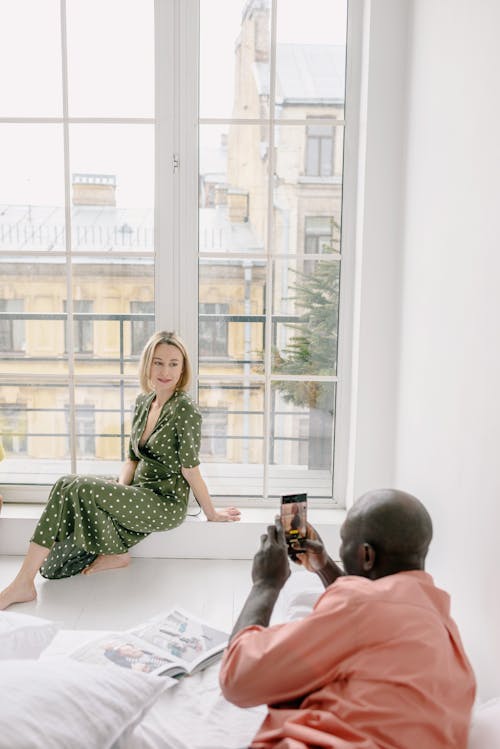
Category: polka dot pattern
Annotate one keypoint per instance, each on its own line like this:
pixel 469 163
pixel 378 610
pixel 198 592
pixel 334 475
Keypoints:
pixel 88 515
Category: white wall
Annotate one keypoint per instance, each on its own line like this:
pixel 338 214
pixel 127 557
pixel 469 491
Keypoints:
pixel 449 405
pixel 378 242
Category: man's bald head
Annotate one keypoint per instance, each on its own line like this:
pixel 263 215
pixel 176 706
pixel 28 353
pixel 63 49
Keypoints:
pixel 386 531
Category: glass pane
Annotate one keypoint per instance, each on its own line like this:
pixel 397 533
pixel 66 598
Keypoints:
pixel 302 433
pixel 31 187
pixel 235 43
pixel 110 58
pixel 233 188
pixel 310 58
pixel 34 432
pixel 102 420
pixel 232 435
pixel 305 320
pixel 30 50
pixel 112 194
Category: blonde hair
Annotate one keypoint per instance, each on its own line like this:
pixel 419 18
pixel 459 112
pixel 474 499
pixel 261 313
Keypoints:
pixel 171 339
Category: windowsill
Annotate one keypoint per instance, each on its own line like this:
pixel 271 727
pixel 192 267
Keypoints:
pixel 194 539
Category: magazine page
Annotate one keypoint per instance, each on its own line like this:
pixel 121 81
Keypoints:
pixel 183 638
pixel 123 649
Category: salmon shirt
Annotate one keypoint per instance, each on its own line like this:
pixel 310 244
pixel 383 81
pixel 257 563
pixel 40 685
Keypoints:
pixel 376 665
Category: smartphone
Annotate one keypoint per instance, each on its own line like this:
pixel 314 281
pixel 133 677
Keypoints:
pixel 294 518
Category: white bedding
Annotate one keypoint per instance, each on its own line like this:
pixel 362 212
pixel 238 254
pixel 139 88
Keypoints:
pixel 194 715
pixel 191 715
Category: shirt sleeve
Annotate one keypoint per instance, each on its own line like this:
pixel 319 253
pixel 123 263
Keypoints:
pixel 288 661
pixel 188 427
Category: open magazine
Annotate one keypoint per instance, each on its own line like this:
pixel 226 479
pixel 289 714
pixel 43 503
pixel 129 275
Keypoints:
pixel 173 644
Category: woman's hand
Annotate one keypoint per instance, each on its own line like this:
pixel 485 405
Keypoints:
pixel 225 515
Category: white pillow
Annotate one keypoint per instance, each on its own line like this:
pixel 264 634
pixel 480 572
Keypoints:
pixel 485 729
pixel 24 636
pixel 61 702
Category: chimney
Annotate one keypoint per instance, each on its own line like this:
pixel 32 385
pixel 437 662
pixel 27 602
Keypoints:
pixel 94 189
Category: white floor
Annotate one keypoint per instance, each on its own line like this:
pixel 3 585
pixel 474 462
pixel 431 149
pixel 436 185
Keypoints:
pixel 212 589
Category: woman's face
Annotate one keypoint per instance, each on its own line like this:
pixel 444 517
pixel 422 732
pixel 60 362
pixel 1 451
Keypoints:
pixel 166 368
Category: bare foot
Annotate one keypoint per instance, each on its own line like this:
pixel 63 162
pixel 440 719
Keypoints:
pixel 107 562
pixel 17 592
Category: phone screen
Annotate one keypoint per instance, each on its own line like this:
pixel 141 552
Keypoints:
pixel 294 516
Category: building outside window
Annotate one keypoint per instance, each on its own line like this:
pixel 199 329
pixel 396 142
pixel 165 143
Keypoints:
pixel 110 197
pixel 11 330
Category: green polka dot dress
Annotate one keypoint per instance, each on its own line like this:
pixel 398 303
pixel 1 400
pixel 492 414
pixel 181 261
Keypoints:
pixel 88 515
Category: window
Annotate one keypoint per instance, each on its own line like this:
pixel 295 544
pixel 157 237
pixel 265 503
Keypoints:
pixel 141 329
pixel 85 430
pixel 11 329
pixel 83 336
pixel 319 234
pixel 213 329
pixel 13 430
pixel 117 218
pixel 261 140
pixel 214 439
pixel 319 238
pixel 319 150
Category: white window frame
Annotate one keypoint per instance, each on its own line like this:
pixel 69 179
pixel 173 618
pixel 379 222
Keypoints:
pixel 176 211
pixel 184 266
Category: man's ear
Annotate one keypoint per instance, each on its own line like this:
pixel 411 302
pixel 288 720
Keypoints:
pixel 368 557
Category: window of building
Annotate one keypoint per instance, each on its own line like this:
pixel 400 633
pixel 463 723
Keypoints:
pixel 319 239
pixel 13 428
pixel 214 433
pixel 141 329
pixel 11 329
pixel 83 327
pixel 85 430
pixel 213 329
pixel 109 196
pixel 320 150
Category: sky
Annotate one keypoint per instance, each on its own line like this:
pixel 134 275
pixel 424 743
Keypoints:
pixel 111 73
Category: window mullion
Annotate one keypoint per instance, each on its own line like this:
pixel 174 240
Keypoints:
pixel 164 214
pixel 67 222
pixel 187 85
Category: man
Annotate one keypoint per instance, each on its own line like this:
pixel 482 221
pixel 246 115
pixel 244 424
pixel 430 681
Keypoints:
pixel 378 664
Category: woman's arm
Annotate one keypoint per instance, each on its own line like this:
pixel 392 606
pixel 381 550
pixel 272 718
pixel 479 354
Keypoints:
pixel 128 471
pixel 195 480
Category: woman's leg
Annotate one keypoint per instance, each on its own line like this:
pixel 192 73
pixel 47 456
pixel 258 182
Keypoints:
pixel 22 588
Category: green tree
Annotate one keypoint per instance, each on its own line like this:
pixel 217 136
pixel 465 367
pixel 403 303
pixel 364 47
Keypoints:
pixel 312 350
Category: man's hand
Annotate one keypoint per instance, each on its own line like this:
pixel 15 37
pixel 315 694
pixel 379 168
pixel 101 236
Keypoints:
pixel 310 552
pixel 312 555
pixel 270 564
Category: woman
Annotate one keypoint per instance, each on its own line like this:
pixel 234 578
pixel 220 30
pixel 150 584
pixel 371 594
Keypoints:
pixel 90 522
